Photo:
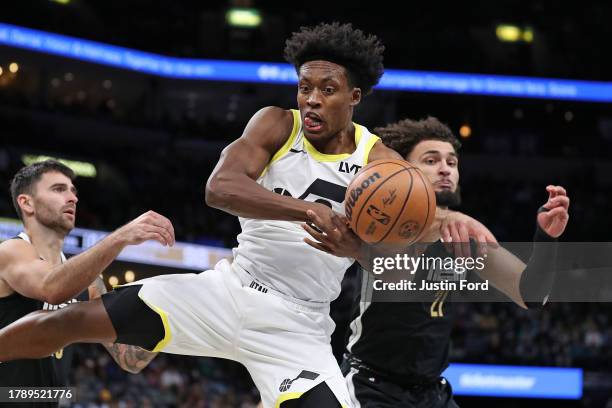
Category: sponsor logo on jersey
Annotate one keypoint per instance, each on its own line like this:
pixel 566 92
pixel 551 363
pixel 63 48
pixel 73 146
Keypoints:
pixel 344 168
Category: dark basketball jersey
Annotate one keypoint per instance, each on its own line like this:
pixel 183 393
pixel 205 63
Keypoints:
pixel 404 340
pixel 51 371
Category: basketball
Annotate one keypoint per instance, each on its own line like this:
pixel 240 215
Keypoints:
pixel 390 201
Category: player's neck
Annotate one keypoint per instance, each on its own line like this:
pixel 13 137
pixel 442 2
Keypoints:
pixel 339 143
pixel 48 242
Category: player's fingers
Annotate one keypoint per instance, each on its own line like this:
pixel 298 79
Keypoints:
pixel 318 246
pixel 446 238
pixel 162 232
pixel 481 244
pixel 322 238
pixel 464 236
pixel 558 212
pixel 319 222
pixel 456 240
pixel 560 191
pixel 159 220
pixel 154 236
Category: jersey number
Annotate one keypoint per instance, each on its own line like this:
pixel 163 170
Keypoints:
pixel 321 188
pixel 436 308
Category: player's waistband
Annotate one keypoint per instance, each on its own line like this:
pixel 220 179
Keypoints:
pixel 248 280
pixel 411 383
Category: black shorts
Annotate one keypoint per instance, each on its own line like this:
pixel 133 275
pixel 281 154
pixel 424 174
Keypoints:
pixel 374 392
pixel 135 323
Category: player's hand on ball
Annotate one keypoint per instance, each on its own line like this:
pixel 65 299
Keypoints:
pixel 456 230
pixel 332 235
pixel 554 221
pixel 149 226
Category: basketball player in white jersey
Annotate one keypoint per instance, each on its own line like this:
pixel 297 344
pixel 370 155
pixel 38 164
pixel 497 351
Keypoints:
pixel 35 274
pixel 269 308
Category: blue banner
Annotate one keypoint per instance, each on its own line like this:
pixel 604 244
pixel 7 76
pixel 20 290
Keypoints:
pixel 515 381
pixel 279 73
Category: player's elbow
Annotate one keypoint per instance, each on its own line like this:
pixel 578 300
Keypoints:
pixel 51 293
pixel 218 191
pixel 54 297
pixel 132 370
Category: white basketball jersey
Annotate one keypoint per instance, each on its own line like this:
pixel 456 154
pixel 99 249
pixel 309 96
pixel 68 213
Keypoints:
pixel 274 252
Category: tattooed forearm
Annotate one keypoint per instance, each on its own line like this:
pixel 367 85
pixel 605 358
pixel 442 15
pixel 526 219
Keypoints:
pixel 130 358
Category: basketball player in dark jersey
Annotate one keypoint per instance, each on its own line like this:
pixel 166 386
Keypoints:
pixel 36 276
pixel 397 351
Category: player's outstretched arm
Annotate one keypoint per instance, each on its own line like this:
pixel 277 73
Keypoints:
pixel 529 284
pixel 232 186
pixel 27 274
pixel 130 358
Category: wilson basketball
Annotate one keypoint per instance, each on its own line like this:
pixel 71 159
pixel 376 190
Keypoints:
pixel 390 201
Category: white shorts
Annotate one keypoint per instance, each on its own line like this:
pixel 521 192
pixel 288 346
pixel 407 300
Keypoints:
pixel 284 343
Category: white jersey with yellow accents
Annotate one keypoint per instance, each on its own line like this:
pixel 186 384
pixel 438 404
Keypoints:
pixel 273 252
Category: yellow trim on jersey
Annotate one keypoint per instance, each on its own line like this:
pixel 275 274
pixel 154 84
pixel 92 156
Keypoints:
pixel 288 143
pixel 322 157
pixel 368 148
pixel 286 397
pixel 167 332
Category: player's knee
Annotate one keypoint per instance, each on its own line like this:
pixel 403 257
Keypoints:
pixel 134 321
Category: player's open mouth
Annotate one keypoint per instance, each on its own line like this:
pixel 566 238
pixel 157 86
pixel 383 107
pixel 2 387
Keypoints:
pixel 313 122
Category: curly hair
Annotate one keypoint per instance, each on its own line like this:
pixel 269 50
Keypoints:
pixel 359 53
pixel 404 135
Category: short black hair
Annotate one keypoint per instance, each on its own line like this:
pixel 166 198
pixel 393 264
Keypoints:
pixel 404 135
pixel 360 54
pixel 25 179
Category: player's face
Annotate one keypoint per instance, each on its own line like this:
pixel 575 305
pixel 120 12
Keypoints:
pixel 325 99
pixel 439 161
pixel 54 202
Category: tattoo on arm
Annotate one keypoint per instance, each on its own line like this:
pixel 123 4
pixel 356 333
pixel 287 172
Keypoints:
pixel 130 358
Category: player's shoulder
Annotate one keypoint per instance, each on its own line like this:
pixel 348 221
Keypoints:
pixel 13 250
pixel 381 152
pixel 270 126
pixel 275 116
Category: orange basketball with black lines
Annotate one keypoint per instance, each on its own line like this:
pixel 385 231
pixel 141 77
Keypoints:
pixel 390 202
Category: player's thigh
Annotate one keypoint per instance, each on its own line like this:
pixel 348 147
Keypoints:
pixel 321 396
pixel 285 364
pixel 195 312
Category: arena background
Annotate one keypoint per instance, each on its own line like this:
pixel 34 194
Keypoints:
pixel 153 136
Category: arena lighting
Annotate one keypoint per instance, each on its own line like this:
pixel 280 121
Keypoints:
pixel 465 131
pixel 512 33
pixel 83 169
pixel 14 67
pixel 129 276
pixel 277 73
pixel 243 17
pixel 1 71
pixel 64 2
pixel 113 280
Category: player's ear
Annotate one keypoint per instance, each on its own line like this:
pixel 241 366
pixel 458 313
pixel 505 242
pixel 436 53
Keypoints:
pixel 356 96
pixel 25 203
